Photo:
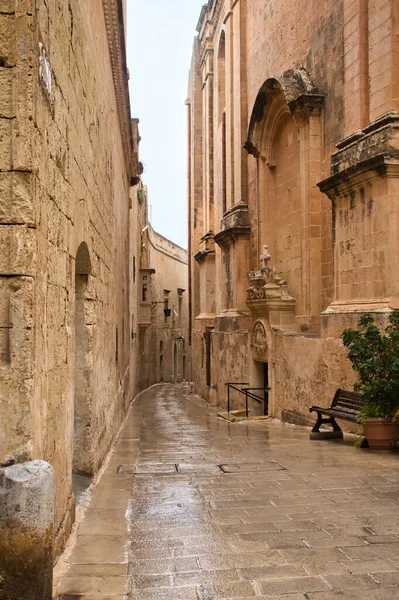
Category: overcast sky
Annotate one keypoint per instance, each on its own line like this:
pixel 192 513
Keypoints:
pixel 160 36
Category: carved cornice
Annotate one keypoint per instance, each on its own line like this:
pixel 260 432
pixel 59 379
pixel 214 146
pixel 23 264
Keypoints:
pixel 234 225
pixel 231 235
pixel 341 182
pixel 373 150
pixel 306 103
pixel 210 13
pixel 203 255
pixel 113 15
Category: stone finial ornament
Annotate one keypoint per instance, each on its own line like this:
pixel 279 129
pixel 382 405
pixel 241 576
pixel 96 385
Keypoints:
pixel 265 257
pixel 266 282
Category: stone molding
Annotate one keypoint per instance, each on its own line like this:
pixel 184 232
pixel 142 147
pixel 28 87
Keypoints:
pixel 213 9
pixel 208 248
pixel 113 15
pixel 235 224
pixel 300 95
pixel 381 165
pixel 372 149
pixel 203 255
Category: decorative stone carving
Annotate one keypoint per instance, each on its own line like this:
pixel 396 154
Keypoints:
pixel 264 281
pixel 234 225
pixel 259 338
pixel 268 295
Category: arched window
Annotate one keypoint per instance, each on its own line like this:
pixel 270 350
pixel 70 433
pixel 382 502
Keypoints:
pixel 222 113
pixel 222 76
pixel 83 462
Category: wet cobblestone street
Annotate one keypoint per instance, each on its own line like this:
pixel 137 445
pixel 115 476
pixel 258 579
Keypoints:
pixel 285 518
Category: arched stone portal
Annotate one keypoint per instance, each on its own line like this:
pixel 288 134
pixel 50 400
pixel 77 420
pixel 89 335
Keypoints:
pixel 83 463
pixel 285 137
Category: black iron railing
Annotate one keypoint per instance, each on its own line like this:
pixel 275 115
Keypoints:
pixel 232 385
pixel 248 393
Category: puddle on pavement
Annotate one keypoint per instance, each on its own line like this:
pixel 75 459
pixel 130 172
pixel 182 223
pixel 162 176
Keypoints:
pixel 80 485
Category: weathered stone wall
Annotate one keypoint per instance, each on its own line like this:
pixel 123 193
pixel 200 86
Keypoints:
pixel 309 91
pixel 164 342
pixel 64 198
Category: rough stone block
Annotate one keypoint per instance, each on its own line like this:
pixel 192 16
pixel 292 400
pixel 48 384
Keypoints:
pixel 24 7
pixel 57 267
pixel 16 6
pixel 56 327
pixel 16 204
pixel 24 38
pixel 23 91
pixel 22 135
pixel 6 97
pixel 5 145
pixel 26 531
pixel 7 40
pixel 16 346
pixel 7 6
pixel 18 254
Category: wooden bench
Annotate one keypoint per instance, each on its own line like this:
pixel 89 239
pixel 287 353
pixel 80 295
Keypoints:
pixel 345 405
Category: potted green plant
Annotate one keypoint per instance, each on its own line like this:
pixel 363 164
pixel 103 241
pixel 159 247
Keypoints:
pixel 374 355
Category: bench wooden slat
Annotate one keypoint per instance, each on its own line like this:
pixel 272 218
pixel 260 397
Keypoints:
pixel 345 405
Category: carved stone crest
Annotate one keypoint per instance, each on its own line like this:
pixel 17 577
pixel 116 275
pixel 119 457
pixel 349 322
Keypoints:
pixel 259 338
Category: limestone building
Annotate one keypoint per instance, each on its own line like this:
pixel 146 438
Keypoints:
pixel 293 185
pixel 161 330
pixel 74 243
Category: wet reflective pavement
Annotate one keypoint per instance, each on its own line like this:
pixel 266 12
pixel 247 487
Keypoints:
pixel 217 510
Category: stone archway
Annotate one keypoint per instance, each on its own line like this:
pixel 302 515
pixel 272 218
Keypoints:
pixel 285 137
pixel 83 461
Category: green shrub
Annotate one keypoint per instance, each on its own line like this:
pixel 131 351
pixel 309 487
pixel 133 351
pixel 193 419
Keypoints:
pixel 375 358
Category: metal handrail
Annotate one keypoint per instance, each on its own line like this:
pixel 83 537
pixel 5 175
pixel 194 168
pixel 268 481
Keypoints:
pixel 248 392
pixel 232 384
pixel 265 399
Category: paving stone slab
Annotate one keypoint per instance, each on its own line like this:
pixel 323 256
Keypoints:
pixel 327 528
pixel 93 585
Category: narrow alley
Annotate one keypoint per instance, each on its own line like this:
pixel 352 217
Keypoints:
pixel 192 507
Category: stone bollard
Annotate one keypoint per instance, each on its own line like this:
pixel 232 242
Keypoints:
pixel 26 531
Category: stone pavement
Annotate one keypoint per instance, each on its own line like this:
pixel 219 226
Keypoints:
pixel 289 519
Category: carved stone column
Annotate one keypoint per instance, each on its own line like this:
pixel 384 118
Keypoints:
pixel 306 110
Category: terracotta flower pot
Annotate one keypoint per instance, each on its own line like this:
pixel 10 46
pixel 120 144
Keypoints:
pixel 381 434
